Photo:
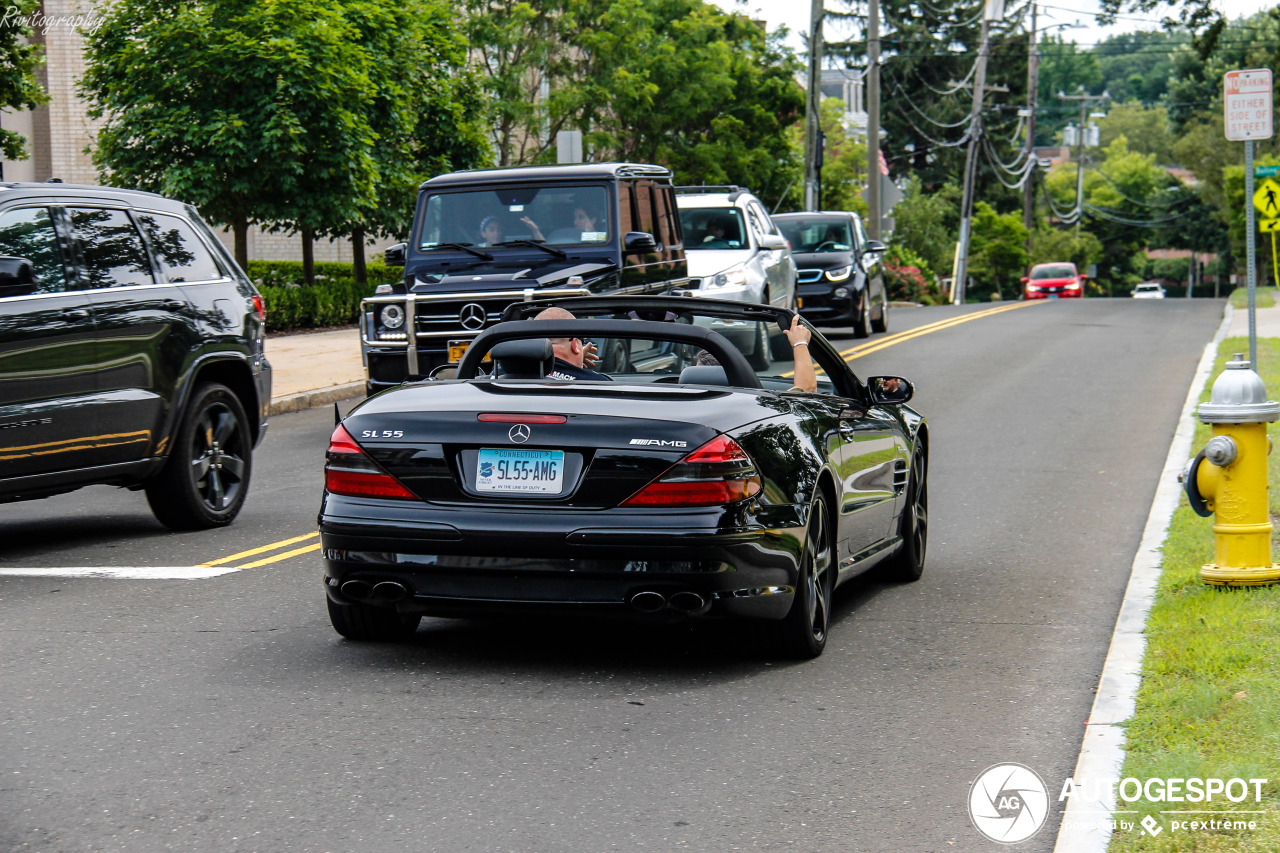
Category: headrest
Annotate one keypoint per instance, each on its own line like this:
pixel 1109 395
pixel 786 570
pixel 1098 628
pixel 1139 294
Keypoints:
pixel 703 374
pixel 531 358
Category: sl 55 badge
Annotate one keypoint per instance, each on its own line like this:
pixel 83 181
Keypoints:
pixel 382 433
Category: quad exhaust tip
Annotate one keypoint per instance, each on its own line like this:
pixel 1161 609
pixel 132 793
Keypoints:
pixel 685 601
pixel 358 590
pixel 388 591
pixel 648 601
pixel 688 602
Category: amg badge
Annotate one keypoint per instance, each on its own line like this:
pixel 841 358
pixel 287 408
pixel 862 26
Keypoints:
pixel 658 442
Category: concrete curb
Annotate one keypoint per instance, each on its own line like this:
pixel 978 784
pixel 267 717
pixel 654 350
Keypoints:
pixel 313 399
pixel 1086 824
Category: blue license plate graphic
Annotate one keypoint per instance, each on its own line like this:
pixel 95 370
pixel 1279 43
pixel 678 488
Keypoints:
pixel 538 472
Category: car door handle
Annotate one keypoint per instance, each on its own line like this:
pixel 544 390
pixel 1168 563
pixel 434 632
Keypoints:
pixel 846 428
pixel 74 314
pixel 174 305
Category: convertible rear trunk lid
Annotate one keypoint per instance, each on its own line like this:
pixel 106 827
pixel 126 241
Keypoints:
pixel 582 445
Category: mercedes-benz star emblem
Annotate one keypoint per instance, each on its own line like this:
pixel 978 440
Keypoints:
pixel 472 316
pixel 519 433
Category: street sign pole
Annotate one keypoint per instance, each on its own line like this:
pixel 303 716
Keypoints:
pixel 1247 116
pixel 1250 252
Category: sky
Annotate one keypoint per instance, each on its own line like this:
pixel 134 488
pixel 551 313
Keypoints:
pixel 1081 26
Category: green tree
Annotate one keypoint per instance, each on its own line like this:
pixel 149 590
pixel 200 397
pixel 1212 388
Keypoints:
pixel 844 166
pixel 19 89
pixel 1137 66
pixel 1128 200
pixel 424 112
pixel 998 252
pixel 255 111
pixel 1145 128
pixel 927 224
pixel 1079 247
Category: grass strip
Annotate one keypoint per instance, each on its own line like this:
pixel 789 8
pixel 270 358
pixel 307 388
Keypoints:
pixel 1264 297
pixel 1209 702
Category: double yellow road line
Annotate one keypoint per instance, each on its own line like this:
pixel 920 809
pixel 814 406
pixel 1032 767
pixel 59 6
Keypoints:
pixel 274 558
pixel 886 342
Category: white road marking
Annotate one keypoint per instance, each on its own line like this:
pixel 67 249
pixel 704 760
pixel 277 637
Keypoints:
pixel 148 573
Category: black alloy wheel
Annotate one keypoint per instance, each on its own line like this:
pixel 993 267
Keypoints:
pixel 913 526
pixel 802 633
pixel 862 315
pixel 366 622
pixel 205 481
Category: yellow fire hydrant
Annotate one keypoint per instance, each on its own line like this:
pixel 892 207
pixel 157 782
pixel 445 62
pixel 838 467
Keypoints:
pixel 1232 486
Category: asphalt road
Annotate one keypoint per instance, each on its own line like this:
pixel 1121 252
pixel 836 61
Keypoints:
pixel 223 714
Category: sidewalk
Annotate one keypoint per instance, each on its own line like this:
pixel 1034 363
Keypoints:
pixel 320 368
pixel 316 369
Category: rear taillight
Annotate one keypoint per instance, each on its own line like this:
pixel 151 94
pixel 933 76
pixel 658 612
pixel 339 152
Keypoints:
pixel 349 471
pixel 717 473
pixel 260 306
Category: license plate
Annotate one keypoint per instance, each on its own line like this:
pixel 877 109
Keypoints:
pixel 539 472
pixel 457 349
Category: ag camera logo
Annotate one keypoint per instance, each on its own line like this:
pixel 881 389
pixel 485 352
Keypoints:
pixel 1008 803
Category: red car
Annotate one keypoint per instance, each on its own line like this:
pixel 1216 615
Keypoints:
pixel 1050 281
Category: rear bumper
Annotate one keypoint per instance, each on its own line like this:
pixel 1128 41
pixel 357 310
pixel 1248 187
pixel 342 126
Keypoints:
pixel 552 565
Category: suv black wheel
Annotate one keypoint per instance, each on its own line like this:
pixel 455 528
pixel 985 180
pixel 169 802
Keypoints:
pixel 862 315
pixel 365 622
pixel 802 633
pixel 908 564
pixel 206 478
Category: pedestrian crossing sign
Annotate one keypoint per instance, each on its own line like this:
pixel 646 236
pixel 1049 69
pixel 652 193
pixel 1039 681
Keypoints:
pixel 1267 199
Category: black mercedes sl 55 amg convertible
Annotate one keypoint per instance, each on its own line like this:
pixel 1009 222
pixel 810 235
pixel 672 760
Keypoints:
pixel 687 482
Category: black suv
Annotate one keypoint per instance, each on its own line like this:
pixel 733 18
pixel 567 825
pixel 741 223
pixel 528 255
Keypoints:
pixel 131 352
pixel 484 239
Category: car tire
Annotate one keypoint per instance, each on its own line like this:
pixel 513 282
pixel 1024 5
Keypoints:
pixel 882 324
pixel 363 622
pixel 762 356
pixel 802 633
pixel 913 526
pixel 205 480
pixel 862 316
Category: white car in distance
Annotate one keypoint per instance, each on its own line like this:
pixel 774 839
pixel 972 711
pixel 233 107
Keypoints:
pixel 1148 290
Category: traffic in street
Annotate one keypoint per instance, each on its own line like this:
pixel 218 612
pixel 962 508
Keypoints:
pixel 184 690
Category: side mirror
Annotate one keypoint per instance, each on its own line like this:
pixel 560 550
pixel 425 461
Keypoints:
pixel 875 246
pixel 17 277
pixel 893 390
pixel 638 243
pixel 1024 279
pixel 773 242
pixel 394 255
pixel 1084 277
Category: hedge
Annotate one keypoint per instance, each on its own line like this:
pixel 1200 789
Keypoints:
pixel 334 300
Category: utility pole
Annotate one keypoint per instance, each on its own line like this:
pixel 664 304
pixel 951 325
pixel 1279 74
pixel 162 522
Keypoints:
pixel 874 215
pixel 994 10
pixel 813 107
pixel 1082 140
pixel 1033 86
